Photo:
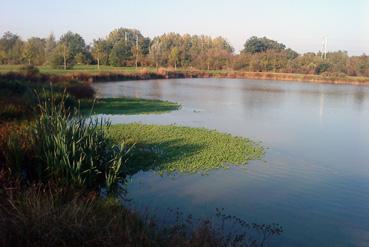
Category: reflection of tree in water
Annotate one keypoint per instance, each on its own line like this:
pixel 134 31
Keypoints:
pixel 256 99
pixel 360 96
pixel 220 230
pixel 155 89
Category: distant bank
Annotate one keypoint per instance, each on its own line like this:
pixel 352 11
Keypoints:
pixel 91 74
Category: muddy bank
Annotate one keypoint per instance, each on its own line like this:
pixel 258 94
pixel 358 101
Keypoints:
pixel 170 74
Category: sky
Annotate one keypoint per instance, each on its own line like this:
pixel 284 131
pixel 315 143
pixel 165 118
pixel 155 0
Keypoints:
pixel 300 24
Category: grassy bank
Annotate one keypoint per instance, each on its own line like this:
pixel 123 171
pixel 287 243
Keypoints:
pixel 107 73
pixel 43 215
pixel 21 92
pixel 61 174
pixel 127 106
pixel 170 149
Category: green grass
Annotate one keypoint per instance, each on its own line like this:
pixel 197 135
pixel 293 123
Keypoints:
pixel 77 69
pixel 128 106
pixel 170 149
pixel 92 70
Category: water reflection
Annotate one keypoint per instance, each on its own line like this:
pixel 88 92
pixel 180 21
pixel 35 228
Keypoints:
pixel 314 178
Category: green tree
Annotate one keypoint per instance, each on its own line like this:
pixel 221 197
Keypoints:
pixel 120 54
pixel 174 57
pixel 11 47
pixel 100 52
pixel 34 51
pixel 62 57
pixel 50 45
pixel 256 45
pixel 71 44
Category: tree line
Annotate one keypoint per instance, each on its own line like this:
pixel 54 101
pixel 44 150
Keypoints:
pixel 128 47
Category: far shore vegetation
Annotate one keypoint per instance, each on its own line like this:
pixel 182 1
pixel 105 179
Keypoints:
pixel 127 51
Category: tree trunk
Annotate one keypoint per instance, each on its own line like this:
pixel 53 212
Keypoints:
pixel 98 63
pixel 65 59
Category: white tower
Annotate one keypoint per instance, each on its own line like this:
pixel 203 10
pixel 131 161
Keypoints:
pixel 324 48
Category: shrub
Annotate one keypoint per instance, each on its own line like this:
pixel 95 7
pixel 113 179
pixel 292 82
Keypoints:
pixel 29 70
pixel 81 90
pixel 12 88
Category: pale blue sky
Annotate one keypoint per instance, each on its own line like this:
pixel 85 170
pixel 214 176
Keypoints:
pixel 300 24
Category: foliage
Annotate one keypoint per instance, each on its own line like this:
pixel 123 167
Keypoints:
pixel 74 151
pixel 45 215
pixel 120 54
pixel 256 45
pixel 11 47
pixel 80 90
pixel 29 70
pixel 173 149
pixel 74 42
pixel 128 47
pixel 127 106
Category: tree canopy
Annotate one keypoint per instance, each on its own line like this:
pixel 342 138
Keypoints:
pixel 128 47
pixel 257 45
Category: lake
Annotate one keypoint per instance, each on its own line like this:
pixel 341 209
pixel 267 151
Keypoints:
pixel 314 177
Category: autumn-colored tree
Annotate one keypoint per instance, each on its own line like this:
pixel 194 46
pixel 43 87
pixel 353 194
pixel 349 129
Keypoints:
pixel 34 51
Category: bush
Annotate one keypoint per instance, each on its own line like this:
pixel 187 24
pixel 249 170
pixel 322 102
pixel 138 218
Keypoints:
pixel 10 88
pixel 29 70
pixel 81 90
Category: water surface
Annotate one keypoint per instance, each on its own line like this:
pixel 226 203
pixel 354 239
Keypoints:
pixel 314 178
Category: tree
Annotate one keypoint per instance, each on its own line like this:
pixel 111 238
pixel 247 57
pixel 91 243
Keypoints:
pixel 100 51
pixel 34 51
pixel 62 56
pixel 120 54
pixel 72 44
pixel 137 53
pixel 156 52
pixel 11 47
pixel 257 45
pixel 173 57
pixel 50 45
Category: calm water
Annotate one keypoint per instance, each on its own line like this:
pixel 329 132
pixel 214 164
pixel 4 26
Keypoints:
pixel 314 178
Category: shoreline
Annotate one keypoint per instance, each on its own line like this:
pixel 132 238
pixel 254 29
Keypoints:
pixel 103 76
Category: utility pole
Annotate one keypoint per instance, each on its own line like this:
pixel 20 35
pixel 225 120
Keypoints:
pixel 324 48
pixel 136 51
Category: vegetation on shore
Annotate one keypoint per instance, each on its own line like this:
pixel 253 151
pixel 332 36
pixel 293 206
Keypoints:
pixel 89 73
pixel 175 149
pixel 21 92
pixel 129 48
pixel 127 106
pixel 62 174
pixel 55 172
pixel 45 215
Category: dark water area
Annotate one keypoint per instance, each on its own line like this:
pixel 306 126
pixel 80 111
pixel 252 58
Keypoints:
pixel 314 178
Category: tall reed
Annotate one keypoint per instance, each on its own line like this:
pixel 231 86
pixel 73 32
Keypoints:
pixel 69 149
